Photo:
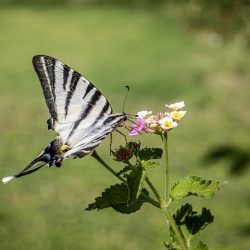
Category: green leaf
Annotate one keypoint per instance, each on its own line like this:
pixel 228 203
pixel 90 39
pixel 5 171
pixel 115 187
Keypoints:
pixel 135 181
pixel 190 224
pixel 100 203
pixel 116 196
pixel 124 170
pixel 194 185
pixel 150 153
pixel 169 246
pixel 198 222
pixel 193 221
pixel 149 164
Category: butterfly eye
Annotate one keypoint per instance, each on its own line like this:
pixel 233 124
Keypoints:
pixel 45 158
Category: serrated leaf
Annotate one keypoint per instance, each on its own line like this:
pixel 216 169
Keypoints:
pixel 135 181
pixel 194 185
pixel 198 222
pixel 169 246
pixel 124 170
pixel 193 221
pixel 149 164
pixel 190 224
pixel 100 203
pixel 150 153
pixel 181 213
pixel 200 245
pixel 116 196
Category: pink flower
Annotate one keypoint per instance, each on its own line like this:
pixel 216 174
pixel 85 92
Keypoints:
pixel 137 127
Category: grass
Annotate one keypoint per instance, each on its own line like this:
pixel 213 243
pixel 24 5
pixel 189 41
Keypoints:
pixel 163 61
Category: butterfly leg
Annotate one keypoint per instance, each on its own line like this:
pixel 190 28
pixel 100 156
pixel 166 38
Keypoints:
pixel 110 144
pixel 122 135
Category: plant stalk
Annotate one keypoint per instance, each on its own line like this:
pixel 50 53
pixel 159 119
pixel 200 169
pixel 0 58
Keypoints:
pixel 170 218
pixel 175 229
pixel 111 170
pixel 165 146
pixel 154 190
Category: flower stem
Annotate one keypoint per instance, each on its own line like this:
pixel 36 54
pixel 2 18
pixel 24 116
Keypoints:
pixel 166 211
pixel 165 145
pixel 111 170
pixel 154 190
pixel 175 229
pixel 100 160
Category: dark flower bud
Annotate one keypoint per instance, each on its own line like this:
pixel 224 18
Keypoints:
pixel 134 146
pixel 122 154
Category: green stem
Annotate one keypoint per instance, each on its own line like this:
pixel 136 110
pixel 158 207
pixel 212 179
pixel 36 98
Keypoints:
pixel 165 145
pixel 111 170
pixel 152 187
pixel 100 160
pixel 170 218
pixel 175 229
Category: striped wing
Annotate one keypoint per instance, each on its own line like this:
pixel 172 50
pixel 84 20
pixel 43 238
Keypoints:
pixel 79 112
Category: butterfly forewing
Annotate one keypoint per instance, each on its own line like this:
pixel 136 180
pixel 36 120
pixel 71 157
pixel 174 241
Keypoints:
pixel 79 112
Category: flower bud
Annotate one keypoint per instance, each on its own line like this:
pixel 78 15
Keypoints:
pixel 134 146
pixel 123 154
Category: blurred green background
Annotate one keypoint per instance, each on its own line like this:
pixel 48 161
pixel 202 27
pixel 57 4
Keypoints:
pixel 196 51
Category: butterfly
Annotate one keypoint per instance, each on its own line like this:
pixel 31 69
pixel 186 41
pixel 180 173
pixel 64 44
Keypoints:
pixel 80 114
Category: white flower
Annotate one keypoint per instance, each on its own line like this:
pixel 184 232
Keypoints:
pixel 176 106
pixel 177 115
pixel 143 114
pixel 167 123
pixel 7 179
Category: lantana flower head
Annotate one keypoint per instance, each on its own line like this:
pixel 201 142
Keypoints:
pixel 161 122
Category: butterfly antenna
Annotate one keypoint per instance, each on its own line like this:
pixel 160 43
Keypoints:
pixel 125 99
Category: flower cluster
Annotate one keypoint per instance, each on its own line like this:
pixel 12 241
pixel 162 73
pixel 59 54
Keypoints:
pixel 161 122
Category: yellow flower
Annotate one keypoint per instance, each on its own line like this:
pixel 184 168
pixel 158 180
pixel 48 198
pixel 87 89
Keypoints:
pixel 167 123
pixel 177 115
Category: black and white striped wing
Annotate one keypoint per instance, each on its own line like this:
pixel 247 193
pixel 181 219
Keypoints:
pixel 79 112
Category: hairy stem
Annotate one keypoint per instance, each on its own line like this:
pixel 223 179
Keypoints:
pixel 154 190
pixel 112 171
pixel 175 229
pixel 166 211
pixel 165 145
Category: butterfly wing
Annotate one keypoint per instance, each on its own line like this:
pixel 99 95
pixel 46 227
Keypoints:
pixel 79 112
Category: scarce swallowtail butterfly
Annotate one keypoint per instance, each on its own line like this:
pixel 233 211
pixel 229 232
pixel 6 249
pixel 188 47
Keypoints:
pixel 80 114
